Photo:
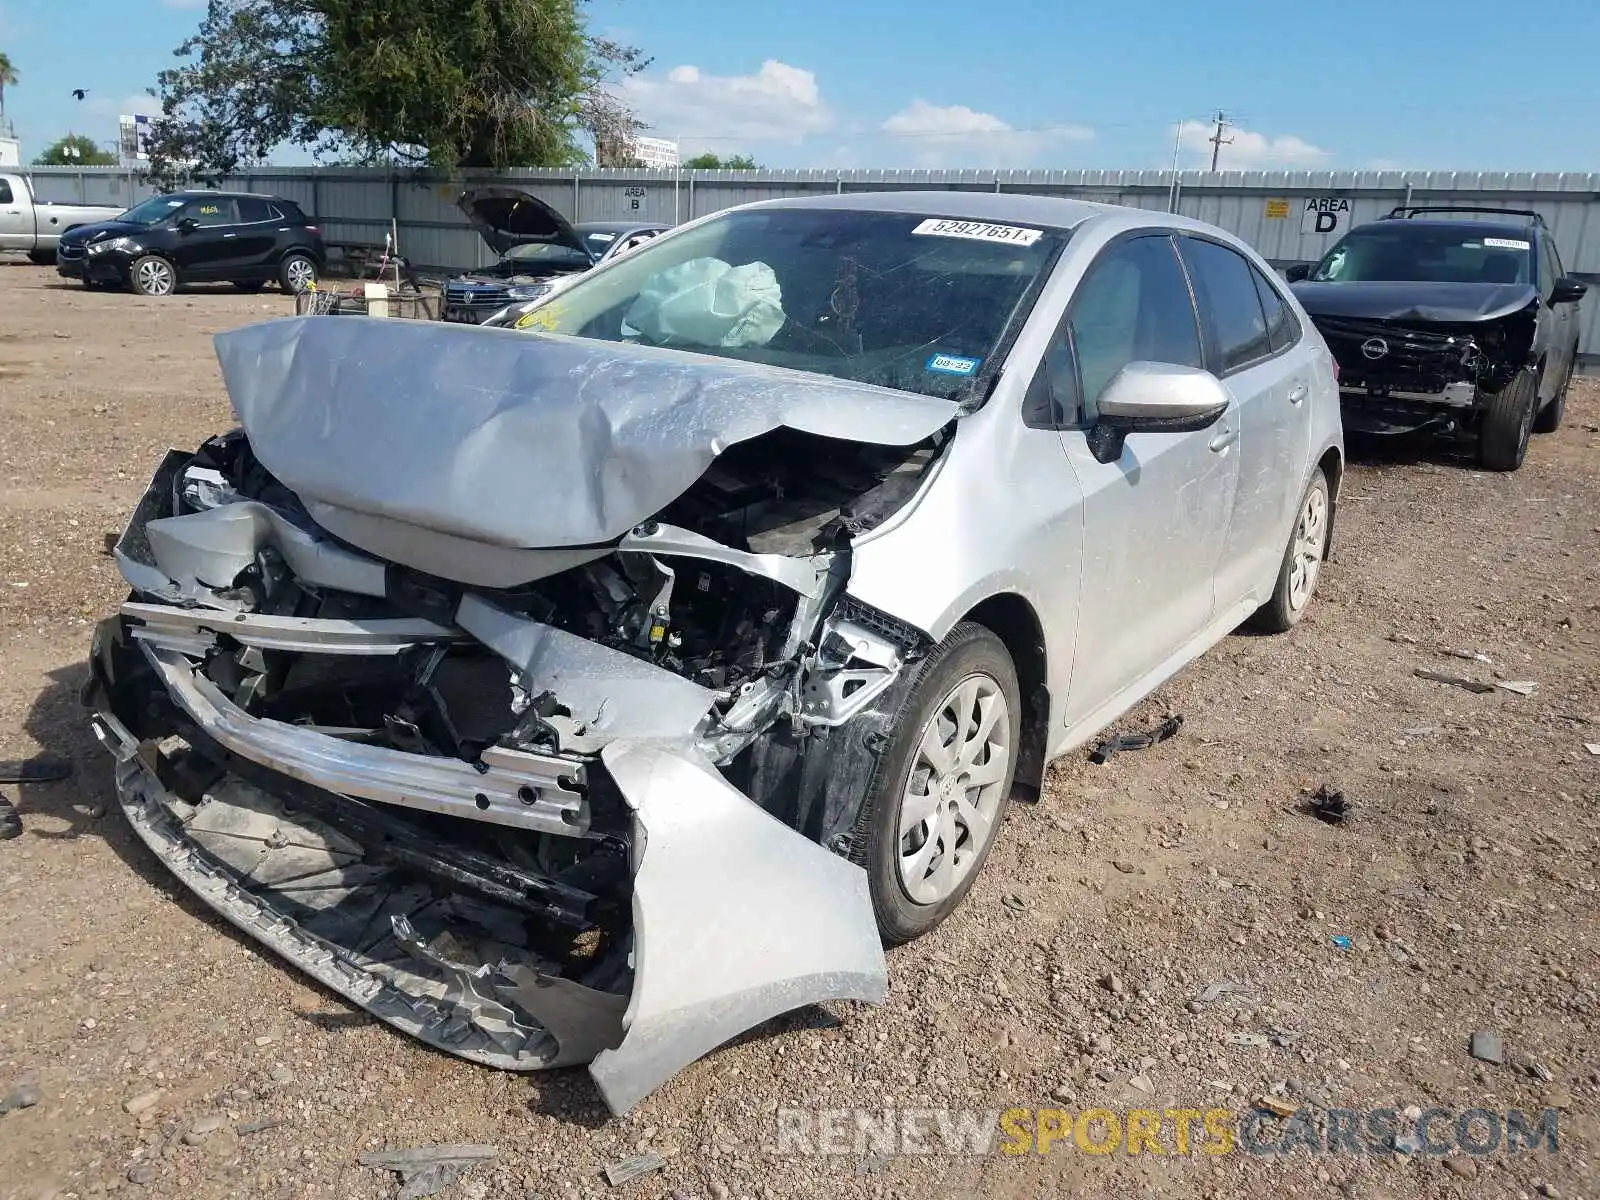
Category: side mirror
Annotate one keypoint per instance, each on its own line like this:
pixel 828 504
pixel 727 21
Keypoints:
pixel 1298 272
pixel 187 225
pixel 1150 397
pixel 1568 290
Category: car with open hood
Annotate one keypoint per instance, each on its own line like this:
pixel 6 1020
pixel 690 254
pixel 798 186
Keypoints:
pixel 593 691
pixel 540 251
pixel 1455 320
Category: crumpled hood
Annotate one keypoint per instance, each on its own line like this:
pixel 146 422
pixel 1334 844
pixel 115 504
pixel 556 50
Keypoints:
pixel 518 439
pixel 1446 303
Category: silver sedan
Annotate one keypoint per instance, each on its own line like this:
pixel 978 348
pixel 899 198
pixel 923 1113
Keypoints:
pixel 594 688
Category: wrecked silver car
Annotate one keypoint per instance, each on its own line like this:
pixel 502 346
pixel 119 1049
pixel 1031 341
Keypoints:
pixel 594 691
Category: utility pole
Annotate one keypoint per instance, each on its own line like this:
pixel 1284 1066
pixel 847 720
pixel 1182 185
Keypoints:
pixel 1217 140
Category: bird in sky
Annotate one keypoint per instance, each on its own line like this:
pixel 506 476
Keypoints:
pixel 79 93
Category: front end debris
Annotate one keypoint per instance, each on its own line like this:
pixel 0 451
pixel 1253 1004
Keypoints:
pixel 541 801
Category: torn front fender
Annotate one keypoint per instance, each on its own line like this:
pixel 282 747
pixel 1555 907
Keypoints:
pixel 737 919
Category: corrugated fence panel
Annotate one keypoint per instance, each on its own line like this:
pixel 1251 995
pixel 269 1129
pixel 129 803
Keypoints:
pixel 1266 208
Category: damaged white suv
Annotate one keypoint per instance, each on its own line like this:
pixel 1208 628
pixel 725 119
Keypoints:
pixel 592 691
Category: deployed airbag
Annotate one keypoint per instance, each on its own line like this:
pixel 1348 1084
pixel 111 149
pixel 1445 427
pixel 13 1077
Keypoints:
pixel 515 439
pixel 707 302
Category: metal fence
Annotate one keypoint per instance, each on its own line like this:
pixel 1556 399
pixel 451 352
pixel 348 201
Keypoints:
pixel 1269 209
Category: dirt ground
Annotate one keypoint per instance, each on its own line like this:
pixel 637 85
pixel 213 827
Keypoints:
pixel 1464 881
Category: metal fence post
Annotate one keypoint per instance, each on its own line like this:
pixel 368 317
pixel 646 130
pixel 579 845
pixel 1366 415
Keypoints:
pixel 577 193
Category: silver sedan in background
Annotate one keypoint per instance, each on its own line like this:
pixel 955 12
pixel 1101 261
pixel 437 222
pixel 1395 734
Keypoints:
pixel 596 688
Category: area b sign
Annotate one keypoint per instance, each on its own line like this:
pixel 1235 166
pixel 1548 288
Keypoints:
pixel 1324 214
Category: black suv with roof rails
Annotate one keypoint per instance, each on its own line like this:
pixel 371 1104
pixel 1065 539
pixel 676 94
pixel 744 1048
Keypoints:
pixel 198 237
pixel 1450 319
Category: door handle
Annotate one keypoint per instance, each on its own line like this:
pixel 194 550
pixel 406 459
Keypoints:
pixel 230 235
pixel 1297 393
pixel 1223 438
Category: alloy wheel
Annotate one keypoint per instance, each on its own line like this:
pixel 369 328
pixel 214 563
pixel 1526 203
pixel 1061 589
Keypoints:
pixel 1310 542
pixel 155 277
pixel 952 799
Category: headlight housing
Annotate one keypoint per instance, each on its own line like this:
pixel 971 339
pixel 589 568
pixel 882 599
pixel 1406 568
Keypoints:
pixel 127 245
pixel 528 291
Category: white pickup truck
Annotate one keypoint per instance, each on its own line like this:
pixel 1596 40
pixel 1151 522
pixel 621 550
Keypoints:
pixel 33 227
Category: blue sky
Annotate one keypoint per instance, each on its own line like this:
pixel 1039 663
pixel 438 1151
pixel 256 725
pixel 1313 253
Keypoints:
pixel 1440 84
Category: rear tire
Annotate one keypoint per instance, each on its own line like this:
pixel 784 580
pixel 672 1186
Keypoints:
pixel 297 273
pixel 1302 560
pixel 965 708
pixel 1508 422
pixel 1549 418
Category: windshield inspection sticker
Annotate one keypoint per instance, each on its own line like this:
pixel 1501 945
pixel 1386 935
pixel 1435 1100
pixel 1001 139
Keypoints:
pixel 1507 244
pixel 977 231
pixel 953 364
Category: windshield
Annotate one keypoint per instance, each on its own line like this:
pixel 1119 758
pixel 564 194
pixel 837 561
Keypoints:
pixel 153 211
pixel 1419 254
pixel 546 254
pixel 898 300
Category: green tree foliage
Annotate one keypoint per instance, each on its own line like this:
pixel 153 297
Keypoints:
pixel 710 162
pixel 8 78
pixel 60 153
pixel 442 83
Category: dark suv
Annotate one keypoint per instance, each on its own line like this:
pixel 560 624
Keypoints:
pixel 197 237
pixel 1449 319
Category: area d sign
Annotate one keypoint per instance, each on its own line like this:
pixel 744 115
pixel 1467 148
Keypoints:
pixel 1324 214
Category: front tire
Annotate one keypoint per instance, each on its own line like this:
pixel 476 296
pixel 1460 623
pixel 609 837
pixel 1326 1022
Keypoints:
pixel 1302 561
pixel 153 275
pixel 936 800
pixel 1508 422
pixel 42 258
pixel 297 273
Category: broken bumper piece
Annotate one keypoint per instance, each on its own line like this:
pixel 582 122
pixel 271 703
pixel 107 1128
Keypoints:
pixel 735 917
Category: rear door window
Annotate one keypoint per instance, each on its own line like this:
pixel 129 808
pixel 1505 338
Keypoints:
pixel 1230 304
pixel 253 211
pixel 5 192
pixel 1282 329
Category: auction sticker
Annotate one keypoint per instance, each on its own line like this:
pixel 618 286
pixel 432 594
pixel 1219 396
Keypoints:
pixel 1507 244
pixel 978 231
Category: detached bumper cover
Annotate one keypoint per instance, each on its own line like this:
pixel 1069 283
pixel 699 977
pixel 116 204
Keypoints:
pixel 736 917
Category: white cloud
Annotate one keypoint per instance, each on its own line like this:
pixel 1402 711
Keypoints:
pixel 956 136
pixel 729 113
pixel 1248 150
pixel 135 102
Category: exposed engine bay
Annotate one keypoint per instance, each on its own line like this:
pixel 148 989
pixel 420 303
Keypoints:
pixel 485 813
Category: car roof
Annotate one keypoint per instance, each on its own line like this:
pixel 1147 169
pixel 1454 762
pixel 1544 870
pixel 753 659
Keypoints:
pixel 1524 231
pixel 203 193
pixel 616 226
pixel 1058 212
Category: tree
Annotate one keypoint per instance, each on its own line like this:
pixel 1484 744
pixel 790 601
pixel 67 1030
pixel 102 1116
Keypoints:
pixel 8 78
pixel 88 154
pixel 710 162
pixel 443 83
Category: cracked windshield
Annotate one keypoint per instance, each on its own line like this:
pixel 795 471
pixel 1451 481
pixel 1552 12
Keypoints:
pixel 903 301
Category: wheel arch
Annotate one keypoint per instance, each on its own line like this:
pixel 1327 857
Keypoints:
pixel 1013 620
pixel 1332 465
